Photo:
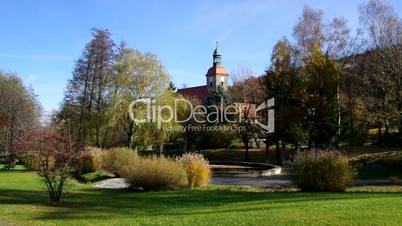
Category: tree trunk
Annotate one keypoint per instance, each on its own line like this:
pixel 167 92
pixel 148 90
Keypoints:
pixel 297 147
pixel 129 134
pixel 386 128
pixel 246 143
pixel 161 149
pixel 352 130
pixel 104 142
pixel 400 125
pixel 91 94
pixel 379 136
pixel 278 153
pixel 81 129
pixel 266 147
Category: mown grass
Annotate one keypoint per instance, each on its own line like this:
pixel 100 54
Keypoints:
pixel 17 167
pixel 23 202
pixel 95 176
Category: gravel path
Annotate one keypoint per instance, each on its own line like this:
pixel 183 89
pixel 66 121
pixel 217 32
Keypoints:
pixel 114 183
pixel 119 183
pixel 2 223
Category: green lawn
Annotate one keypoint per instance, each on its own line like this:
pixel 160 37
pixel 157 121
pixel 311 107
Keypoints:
pixel 17 168
pixel 22 202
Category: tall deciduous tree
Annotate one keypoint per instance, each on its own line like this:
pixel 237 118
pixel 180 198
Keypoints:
pixel 383 29
pixel 87 91
pixel 19 113
pixel 311 29
pixel 137 75
pixel 284 83
pixel 320 76
pixel 246 93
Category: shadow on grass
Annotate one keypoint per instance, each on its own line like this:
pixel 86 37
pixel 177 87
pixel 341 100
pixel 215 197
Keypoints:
pixel 91 203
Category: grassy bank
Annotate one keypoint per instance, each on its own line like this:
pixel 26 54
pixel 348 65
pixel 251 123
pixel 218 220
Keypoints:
pixel 22 202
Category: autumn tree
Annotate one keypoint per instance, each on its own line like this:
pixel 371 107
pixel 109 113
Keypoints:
pixel 55 152
pixel 333 37
pixel 19 113
pixel 354 88
pixel 320 77
pixel 87 92
pixel 383 33
pixel 246 93
pixel 284 83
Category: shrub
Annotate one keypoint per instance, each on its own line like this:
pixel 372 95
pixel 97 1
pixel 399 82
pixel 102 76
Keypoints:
pixel 196 168
pixel 31 162
pixel 96 159
pixel 56 155
pixel 321 171
pixel 393 180
pixel 155 173
pixel 117 159
pixel 90 161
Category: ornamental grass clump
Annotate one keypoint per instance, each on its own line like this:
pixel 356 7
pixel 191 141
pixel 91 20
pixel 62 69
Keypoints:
pixel 90 161
pixel 117 160
pixel 196 168
pixel 155 174
pixel 323 170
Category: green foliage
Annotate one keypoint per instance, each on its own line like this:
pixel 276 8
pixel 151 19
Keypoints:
pixel 219 138
pixel 216 97
pixel 137 75
pixel 321 89
pixel 86 96
pixel 284 82
pixel 19 113
pixel 16 168
pixel 321 170
pixel 163 130
pixel 154 174
pixel 196 168
pixel 103 85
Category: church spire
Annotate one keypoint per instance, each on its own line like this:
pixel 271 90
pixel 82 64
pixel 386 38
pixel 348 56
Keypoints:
pixel 217 55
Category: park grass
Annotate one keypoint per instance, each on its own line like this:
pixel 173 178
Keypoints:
pixel 23 202
pixel 95 176
pixel 17 167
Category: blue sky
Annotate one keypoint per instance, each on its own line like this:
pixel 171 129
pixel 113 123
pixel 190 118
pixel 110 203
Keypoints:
pixel 41 39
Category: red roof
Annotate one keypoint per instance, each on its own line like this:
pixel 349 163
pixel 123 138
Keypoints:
pixel 217 70
pixel 198 92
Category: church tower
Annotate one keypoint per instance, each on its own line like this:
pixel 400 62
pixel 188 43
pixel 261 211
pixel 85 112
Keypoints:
pixel 217 75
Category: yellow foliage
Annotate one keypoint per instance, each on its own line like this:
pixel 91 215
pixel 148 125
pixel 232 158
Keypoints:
pixel 196 168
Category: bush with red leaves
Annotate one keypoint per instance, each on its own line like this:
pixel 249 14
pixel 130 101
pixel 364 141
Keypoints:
pixel 54 152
